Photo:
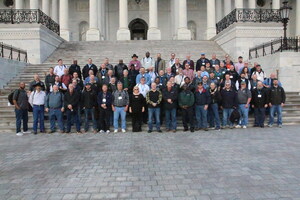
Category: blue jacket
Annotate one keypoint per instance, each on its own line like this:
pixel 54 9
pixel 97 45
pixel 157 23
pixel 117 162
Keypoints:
pixel 108 99
pixel 202 98
pixel 147 77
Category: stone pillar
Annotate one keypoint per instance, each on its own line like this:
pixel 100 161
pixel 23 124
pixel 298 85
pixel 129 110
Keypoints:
pixel 275 4
pixel 64 19
pixel 239 4
pixel 211 19
pixel 123 32
pixel 54 10
pixel 19 4
pixel 153 32
pixel 227 7
pixel 46 7
pixel 93 34
pixel 34 4
pixel 252 4
pixel 183 33
pixel 219 10
pixel 297 18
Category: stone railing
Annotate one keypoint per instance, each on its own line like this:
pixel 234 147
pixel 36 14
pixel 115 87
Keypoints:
pixel 18 16
pixel 13 53
pixel 278 45
pixel 248 15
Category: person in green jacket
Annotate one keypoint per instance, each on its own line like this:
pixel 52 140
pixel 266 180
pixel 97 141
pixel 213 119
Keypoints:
pixel 186 103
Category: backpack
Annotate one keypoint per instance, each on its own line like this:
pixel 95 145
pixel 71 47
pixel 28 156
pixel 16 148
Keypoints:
pixel 235 116
pixel 11 96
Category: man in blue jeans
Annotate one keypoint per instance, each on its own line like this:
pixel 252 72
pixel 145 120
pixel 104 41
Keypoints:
pixel 54 104
pixel 202 100
pixel 228 103
pixel 170 97
pixel 153 100
pixel 276 102
pixel 89 102
pixel 244 98
pixel 120 103
pixel 20 100
pixel 37 101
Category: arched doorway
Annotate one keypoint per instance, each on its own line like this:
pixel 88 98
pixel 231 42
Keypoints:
pixel 83 27
pixel 138 29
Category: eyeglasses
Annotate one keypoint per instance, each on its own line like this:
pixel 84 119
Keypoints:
pixel 136 89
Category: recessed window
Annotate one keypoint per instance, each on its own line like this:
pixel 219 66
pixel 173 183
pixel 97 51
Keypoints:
pixel 261 3
pixel 8 3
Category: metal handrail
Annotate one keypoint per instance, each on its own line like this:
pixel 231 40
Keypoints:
pixel 13 53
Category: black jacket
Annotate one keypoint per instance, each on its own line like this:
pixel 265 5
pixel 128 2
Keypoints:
pixel 201 62
pixel 276 95
pixel 259 97
pixel 86 69
pixel 173 95
pixel 215 97
pixel 75 68
pixel 202 98
pixel 229 98
pixel 73 99
pixel 137 102
pixel 88 99
pixel 107 99
pixel 49 80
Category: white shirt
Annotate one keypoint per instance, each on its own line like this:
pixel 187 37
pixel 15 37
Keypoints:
pixel 260 75
pixel 179 79
pixel 37 98
pixel 62 85
pixel 171 62
pixel 147 62
pixel 153 75
pixel 59 70
pixel 143 88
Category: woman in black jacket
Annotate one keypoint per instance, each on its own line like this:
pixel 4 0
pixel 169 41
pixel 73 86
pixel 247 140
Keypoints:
pixel 136 108
pixel 213 109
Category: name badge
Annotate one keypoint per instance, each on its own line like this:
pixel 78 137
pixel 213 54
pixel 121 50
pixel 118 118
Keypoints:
pixel 214 65
pixel 218 77
pixel 103 77
pixel 203 63
pixel 104 100
pixel 120 98
pixel 223 72
pixel 259 96
pixel 230 76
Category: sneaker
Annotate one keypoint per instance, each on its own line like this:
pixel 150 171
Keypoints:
pixel 50 132
pixel 35 133
pixel 244 126
pixel 192 130
pixel 101 131
pixel 159 131
pixel 217 129
pixel 238 126
pixel 108 131
pixel 116 130
pixel 123 131
pixel 26 132
pixel 231 127
pixel 280 126
pixel 149 131
pixel 270 125
pixel 205 129
pixel 185 130
pixel 19 134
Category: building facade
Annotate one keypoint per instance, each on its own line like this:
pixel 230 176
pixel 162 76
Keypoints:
pixel 94 20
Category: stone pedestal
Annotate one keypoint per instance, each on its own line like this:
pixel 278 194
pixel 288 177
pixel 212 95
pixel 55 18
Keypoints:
pixel 123 34
pixel 154 34
pixel 184 34
pixel 65 34
pixel 93 35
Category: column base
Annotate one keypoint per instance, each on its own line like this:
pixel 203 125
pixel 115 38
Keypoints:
pixel 184 34
pixel 123 34
pixel 154 34
pixel 65 34
pixel 93 35
pixel 210 33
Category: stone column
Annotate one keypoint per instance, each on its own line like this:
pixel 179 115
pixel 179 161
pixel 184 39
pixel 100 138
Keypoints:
pixel 123 32
pixel 46 7
pixel 64 19
pixel 252 4
pixel 93 34
pixel 34 4
pixel 183 33
pixel 297 18
pixel 219 10
pixel 54 10
pixel 275 4
pixel 239 4
pixel 153 32
pixel 211 19
pixel 227 7
pixel 19 4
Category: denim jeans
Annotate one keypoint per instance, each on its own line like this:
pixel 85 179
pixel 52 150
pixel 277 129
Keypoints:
pixel 154 112
pixel 91 112
pixel 56 113
pixel 226 115
pixel 259 115
pixel 214 117
pixel 201 116
pixel 244 115
pixel 119 112
pixel 38 117
pixel 276 109
pixel 21 114
pixel 72 116
pixel 171 122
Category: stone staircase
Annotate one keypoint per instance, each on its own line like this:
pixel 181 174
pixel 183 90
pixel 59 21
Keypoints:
pixel 116 50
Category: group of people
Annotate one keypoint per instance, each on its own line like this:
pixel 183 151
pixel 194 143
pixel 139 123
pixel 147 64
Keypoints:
pixel 152 91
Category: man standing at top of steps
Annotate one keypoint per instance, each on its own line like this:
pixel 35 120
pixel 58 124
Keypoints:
pixel 147 61
pixel 59 69
pixel 89 66
pixel 20 100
